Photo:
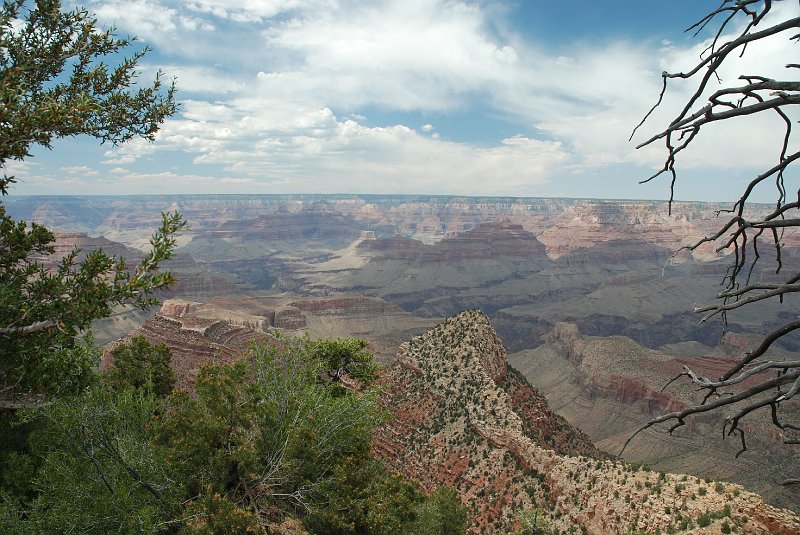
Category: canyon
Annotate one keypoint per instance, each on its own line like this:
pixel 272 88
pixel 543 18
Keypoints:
pixel 462 416
pixel 589 298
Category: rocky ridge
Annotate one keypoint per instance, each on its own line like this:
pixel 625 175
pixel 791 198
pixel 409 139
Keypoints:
pixel 193 340
pixel 609 386
pixel 487 240
pixel 459 422
pixel 222 329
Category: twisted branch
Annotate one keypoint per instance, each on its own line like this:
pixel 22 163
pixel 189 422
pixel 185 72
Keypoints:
pixel 749 384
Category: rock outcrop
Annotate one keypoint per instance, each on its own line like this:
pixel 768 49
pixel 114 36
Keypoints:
pixel 193 341
pixel 609 386
pixel 488 240
pixel 66 242
pixel 460 421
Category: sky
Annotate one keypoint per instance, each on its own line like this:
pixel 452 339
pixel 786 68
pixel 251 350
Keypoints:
pixel 500 98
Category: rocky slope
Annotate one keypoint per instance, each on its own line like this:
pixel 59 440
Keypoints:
pixel 194 339
pixel 464 418
pixel 223 328
pixel 610 386
pixel 459 421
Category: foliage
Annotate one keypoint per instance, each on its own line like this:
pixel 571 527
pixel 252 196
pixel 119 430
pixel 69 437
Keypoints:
pixel 256 440
pixel 44 310
pixel 365 498
pixel 214 513
pixel 55 83
pixel 532 522
pixel 91 467
pixel 754 381
pixel 209 434
pixel 442 514
pixel 140 364
pixel 80 457
pixel 345 356
pixel 266 434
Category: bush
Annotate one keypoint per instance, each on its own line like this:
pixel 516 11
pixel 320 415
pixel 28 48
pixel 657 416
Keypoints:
pixel 140 364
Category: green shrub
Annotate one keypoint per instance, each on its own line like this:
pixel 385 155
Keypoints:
pixel 141 364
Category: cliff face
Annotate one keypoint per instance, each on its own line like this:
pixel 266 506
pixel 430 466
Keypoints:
pixel 610 386
pixel 463 418
pixel 194 340
pixel 528 262
pixel 223 328
pixel 316 221
pixel 488 240
pixel 562 225
pixel 66 242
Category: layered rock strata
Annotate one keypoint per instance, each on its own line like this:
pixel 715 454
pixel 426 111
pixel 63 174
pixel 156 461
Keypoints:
pixel 610 386
pixel 459 421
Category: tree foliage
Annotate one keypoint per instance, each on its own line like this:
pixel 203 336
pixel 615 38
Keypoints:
pixel 756 380
pixel 89 466
pixel 442 514
pixel 45 309
pixel 256 440
pixel 141 364
pixel 344 356
pixel 265 430
pixel 56 80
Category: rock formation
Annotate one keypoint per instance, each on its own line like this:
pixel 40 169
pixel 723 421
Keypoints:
pixel 610 386
pixel 463 418
pixel 193 339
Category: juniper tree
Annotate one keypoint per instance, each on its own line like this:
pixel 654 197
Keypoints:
pixel 56 81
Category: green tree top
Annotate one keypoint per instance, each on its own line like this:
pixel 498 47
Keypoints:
pixel 55 83
pixel 142 364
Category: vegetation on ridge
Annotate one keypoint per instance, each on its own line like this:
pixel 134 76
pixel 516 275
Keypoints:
pixel 255 442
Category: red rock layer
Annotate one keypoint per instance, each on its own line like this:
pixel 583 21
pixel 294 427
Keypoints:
pixel 460 421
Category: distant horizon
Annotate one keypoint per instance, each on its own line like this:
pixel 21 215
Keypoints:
pixel 362 195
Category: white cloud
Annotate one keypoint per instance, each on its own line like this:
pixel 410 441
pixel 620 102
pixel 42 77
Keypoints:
pixel 82 170
pixel 18 167
pixel 198 78
pixel 285 93
pixel 254 10
pixel 408 55
pixel 353 157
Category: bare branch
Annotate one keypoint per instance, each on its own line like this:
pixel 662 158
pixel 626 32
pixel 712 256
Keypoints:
pixel 747 384
pixel 29 329
pixel 680 416
pixel 718 308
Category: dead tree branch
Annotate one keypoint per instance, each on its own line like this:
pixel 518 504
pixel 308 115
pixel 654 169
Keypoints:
pixel 750 383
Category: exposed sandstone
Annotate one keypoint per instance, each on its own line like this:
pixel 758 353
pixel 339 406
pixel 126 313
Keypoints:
pixel 345 304
pixel 488 240
pixel 453 425
pixel 289 318
pixel 610 386
pixel 193 342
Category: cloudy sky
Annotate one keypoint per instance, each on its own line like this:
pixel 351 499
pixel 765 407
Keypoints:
pixel 481 97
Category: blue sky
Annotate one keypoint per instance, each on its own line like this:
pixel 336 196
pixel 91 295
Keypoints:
pixel 517 98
